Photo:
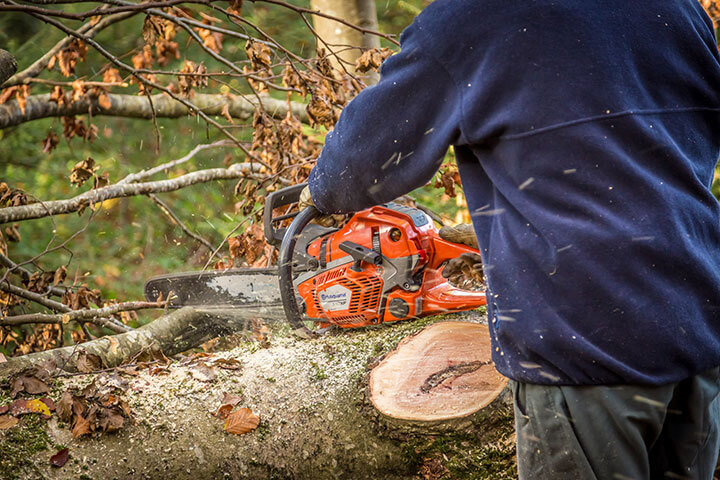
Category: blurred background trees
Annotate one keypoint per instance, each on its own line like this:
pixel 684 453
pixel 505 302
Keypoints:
pixel 107 89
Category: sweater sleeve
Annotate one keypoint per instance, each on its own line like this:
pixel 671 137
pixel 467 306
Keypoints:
pixel 392 137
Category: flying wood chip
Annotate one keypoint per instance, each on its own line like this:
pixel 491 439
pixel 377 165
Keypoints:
pixel 241 422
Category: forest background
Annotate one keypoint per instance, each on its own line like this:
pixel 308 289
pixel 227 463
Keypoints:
pixel 132 239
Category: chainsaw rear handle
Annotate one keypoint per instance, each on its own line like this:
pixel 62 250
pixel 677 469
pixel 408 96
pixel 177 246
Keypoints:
pixel 285 270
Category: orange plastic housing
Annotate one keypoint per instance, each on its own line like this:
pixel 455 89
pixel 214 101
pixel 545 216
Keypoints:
pixel 337 294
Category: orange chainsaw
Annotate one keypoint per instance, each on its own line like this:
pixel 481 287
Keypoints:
pixel 384 265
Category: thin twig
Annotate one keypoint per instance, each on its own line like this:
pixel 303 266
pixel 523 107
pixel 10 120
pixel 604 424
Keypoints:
pixel 174 218
pixel 89 314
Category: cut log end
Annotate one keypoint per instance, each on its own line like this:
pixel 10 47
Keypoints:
pixel 445 372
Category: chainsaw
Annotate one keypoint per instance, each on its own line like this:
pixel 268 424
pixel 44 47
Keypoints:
pixel 384 265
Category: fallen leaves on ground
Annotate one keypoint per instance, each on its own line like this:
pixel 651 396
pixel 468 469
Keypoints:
pixel 60 458
pixel 88 362
pixel 228 403
pixel 227 363
pixel 202 372
pixel 432 469
pixel 33 380
pixel 241 421
pixel 99 407
pixel 7 421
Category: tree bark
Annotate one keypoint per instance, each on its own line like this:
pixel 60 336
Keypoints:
pixel 135 106
pixel 338 36
pixel 8 65
pixel 121 190
pixel 177 332
pixel 316 421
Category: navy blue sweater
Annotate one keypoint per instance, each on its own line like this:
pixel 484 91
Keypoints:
pixel 586 137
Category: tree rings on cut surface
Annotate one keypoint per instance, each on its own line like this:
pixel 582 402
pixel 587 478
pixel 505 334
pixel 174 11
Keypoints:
pixel 442 373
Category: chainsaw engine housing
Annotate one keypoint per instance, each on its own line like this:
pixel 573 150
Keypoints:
pixel 384 265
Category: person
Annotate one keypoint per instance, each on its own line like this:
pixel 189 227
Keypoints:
pixel 586 136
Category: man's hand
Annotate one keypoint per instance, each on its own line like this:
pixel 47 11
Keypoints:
pixel 324 220
pixel 466 270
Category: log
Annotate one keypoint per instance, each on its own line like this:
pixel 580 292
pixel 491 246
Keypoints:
pixel 316 418
pixel 440 375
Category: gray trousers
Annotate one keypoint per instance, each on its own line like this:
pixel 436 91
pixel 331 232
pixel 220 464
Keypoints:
pixel 618 432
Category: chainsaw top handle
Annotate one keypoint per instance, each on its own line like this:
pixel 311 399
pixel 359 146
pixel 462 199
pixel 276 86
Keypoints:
pixel 285 270
pixel 276 199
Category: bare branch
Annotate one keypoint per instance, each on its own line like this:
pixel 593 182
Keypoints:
pixel 39 65
pixel 34 297
pixel 174 218
pixel 142 175
pixel 93 315
pixel 302 10
pixel 92 197
pixel 25 274
pixel 133 106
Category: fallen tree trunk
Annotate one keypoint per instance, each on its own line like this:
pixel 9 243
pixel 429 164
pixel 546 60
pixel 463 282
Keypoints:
pixel 317 419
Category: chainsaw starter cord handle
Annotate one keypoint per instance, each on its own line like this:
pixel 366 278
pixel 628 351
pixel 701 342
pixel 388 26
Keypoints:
pixel 285 261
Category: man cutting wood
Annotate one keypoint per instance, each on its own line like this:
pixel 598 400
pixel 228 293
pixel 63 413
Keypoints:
pixel 586 135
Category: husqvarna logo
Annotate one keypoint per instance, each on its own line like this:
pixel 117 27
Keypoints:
pixel 335 298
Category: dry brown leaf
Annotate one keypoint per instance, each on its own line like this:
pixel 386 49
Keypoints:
pixel 372 59
pixel 50 142
pixel 34 385
pixel 228 363
pixel 21 95
pixel 81 427
pixel 88 362
pixel 153 28
pixel 6 421
pixel 241 422
pixel 112 75
pixel 82 171
pixel 225 112
pixel 104 101
pixel 60 458
pixel 203 373
pixel 64 406
pixel 231 399
pixel 59 275
pixel 7 93
pixel 236 7
pixel 13 233
pixel 223 412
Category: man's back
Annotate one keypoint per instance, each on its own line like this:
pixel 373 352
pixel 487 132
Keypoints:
pixel 586 139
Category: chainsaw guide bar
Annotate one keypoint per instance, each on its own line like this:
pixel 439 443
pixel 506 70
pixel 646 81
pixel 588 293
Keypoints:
pixel 236 287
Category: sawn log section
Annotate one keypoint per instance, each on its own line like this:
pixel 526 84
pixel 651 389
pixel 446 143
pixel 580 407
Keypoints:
pixel 442 407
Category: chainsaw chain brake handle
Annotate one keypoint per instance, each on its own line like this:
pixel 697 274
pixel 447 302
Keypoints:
pixel 285 270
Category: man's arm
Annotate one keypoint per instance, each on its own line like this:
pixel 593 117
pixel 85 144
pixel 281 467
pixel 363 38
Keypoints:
pixel 392 137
